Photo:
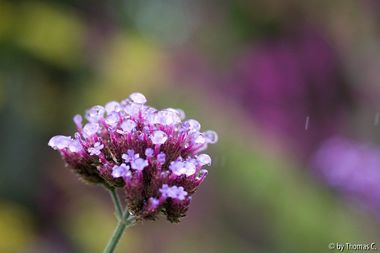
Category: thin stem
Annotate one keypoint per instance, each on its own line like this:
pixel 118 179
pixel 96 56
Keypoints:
pixel 118 232
pixel 116 203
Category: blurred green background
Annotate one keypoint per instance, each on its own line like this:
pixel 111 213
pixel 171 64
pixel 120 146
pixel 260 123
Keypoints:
pixel 254 71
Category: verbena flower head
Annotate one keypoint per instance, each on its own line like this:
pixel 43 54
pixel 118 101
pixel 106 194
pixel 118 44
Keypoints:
pixel 152 154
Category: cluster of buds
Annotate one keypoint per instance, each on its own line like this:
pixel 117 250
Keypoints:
pixel 152 154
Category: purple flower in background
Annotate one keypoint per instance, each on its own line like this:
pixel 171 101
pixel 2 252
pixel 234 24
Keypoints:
pixel 351 168
pixel 281 82
pixel 150 153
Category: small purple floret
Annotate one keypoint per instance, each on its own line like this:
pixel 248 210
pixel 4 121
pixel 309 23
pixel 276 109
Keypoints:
pixel 161 157
pixel 121 171
pixel 149 152
pixel 130 156
pixel 96 149
pixel 139 164
pixel 173 192
pixel 352 168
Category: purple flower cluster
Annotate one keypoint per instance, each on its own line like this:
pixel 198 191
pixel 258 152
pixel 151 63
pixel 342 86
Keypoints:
pixel 153 154
pixel 284 80
pixel 351 168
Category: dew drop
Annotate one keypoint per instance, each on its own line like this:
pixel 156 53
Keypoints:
pixel 192 125
pixel 128 125
pixel 112 106
pixel 75 146
pixel 78 120
pixel 60 142
pixel 199 138
pixel 159 137
pixel 211 136
pixel 204 159
pixel 112 120
pixel 138 98
pixel 90 129
pixel 95 113
pixel 181 114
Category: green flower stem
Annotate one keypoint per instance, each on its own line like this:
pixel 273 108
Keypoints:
pixel 118 233
pixel 116 203
pixel 124 220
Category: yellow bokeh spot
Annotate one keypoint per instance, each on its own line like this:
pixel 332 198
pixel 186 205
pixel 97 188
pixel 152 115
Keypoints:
pixel 6 14
pixel 51 33
pixel 91 225
pixel 129 63
pixel 132 63
pixel 16 230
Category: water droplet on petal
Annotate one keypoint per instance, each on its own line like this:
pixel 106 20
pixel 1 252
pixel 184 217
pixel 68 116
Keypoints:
pixel 148 113
pixel 90 129
pixel 202 174
pixel 204 159
pixel 190 168
pixel 192 125
pixel 158 137
pixel 132 109
pixel 112 106
pixel 125 102
pixel 78 120
pixel 168 117
pixel 112 120
pixel 181 114
pixel 138 98
pixel 77 135
pixel 75 146
pixel 95 113
pixel 60 142
pixel 211 136
pixel 128 125
pixel 199 138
